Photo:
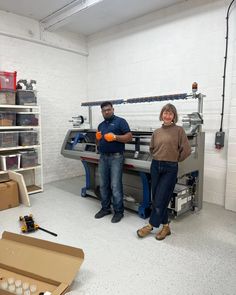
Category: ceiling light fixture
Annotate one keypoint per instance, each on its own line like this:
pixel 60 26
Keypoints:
pixel 62 16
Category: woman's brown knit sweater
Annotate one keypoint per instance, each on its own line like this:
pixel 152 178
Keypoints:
pixel 170 143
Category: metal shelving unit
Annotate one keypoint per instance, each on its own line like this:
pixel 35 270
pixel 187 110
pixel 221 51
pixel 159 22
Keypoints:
pixel 33 176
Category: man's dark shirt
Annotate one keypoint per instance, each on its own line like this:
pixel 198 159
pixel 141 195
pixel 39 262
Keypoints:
pixel 116 125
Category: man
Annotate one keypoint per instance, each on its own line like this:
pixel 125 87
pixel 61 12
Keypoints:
pixel 111 136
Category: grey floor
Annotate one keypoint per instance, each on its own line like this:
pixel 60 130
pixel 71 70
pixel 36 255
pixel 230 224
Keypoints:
pixel 198 258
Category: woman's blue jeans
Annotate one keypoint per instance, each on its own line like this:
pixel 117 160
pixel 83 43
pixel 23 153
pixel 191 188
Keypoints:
pixel 111 187
pixel 163 179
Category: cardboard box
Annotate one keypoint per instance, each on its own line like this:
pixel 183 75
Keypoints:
pixel 47 265
pixel 9 195
pixel 23 196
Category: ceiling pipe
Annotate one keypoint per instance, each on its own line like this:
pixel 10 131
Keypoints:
pixel 62 16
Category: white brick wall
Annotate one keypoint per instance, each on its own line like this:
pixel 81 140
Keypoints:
pixel 163 53
pixel 61 82
pixel 230 194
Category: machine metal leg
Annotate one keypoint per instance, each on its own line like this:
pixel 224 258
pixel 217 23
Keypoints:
pixel 144 209
pixel 87 175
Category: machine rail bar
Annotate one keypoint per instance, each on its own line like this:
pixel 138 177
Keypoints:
pixel 144 99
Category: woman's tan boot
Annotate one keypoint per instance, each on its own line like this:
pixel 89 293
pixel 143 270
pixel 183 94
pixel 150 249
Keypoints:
pixel 164 232
pixel 144 231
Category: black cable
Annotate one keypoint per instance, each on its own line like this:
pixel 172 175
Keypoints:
pixel 225 63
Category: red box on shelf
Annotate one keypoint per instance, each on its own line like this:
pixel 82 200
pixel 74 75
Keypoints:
pixel 7 80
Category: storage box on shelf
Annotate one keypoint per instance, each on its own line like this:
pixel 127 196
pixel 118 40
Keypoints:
pixel 7 97
pixel 29 158
pixel 9 139
pixel 7 118
pixel 26 119
pixel 28 138
pixel 7 80
pixel 26 97
pixel 23 139
pixel 10 162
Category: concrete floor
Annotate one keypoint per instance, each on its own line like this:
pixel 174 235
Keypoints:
pixel 198 258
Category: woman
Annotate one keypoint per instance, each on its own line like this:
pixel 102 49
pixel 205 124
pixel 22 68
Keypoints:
pixel 169 145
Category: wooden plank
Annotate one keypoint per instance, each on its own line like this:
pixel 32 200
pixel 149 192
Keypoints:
pixel 23 193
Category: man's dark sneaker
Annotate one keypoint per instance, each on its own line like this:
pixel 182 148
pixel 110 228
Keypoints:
pixel 102 213
pixel 117 217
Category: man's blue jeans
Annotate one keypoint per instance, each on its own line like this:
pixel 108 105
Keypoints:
pixel 164 176
pixel 111 187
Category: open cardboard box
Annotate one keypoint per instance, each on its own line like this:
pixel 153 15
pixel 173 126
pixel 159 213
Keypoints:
pixel 50 266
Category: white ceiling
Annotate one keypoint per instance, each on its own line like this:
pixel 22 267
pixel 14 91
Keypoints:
pixel 83 16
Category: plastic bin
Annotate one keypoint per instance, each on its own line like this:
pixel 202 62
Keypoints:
pixel 28 138
pixel 9 139
pixel 26 120
pixel 10 162
pixel 29 158
pixel 26 97
pixel 7 81
pixel 7 97
pixel 7 119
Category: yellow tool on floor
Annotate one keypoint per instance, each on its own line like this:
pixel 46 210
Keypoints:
pixel 30 226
